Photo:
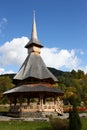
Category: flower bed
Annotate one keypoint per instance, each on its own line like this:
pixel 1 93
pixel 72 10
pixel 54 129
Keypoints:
pixel 80 109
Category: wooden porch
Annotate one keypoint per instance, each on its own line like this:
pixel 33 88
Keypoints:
pixel 56 106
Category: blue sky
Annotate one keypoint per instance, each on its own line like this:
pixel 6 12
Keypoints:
pixel 61 27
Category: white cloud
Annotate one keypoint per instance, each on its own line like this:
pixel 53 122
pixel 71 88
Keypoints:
pixel 13 54
pixel 3 71
pixel 3 22
pixel 60 58
pixel 83 68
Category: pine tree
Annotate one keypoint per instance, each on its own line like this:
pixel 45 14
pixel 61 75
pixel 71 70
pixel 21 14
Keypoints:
pixel 74 119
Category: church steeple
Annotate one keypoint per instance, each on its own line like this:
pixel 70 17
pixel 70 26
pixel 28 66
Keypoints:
pixel 33 66
pixel 34 29
pixel 34 39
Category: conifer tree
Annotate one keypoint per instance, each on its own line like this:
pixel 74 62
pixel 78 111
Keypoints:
pixel 74 119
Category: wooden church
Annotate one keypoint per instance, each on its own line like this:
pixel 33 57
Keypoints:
pixel 35 89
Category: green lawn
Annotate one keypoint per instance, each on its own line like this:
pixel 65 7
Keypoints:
pixel 20 125
pixel 84 123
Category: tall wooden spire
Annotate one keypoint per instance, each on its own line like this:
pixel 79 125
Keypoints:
pixel 34 39
pixel 34 29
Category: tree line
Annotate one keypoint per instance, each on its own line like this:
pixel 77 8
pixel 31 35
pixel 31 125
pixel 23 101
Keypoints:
pixel 72 83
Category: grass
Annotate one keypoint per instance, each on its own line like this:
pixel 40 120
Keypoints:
pixel 20 125
pixel 84 123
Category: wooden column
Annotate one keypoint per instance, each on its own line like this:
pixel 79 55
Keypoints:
pixel 10 101
pixel 15 101
pixel 20 101
pixel 55 102
pixel 44 100
pixel 41 102
pixel 28 101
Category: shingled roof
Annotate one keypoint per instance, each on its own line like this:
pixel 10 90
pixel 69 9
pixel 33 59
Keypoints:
pixel 34 89
pixel 34 67
pixel 33 41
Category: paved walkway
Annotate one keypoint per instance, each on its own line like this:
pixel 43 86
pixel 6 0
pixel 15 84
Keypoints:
pixel 65 115
pixel 5 118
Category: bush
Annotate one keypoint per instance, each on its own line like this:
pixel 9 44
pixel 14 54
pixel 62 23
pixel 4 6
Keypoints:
pixel 59 124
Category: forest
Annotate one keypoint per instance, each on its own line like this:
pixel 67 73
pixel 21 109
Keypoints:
pixel 72 83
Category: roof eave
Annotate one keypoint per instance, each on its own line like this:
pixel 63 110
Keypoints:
pixel 33 42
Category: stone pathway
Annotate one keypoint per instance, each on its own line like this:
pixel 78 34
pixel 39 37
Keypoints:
pixel 65 115
pixel 6 118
